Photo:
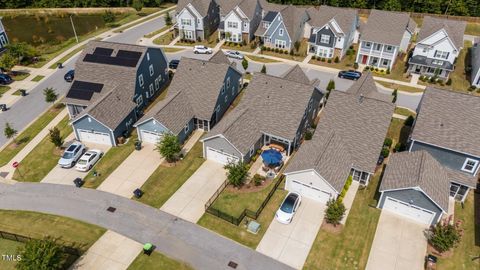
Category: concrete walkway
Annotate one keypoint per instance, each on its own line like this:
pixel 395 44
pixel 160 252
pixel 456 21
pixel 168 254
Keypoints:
pixel 174 237
pixel 349 198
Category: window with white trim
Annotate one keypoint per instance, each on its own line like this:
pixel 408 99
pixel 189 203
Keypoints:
pixel 252 150
pixel 232 25
pixel 470 165
pixel 186 22
pixel 152 91
pixel 187 128
pixel 150 68
pixel 139 101
pixel 280 32
pixel 157 84
pixel 441 54
pixel 281 44
pixel 324 39
pixel 140 79
pixel 368 44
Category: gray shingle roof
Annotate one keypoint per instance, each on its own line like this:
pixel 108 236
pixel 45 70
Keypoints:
pixel 327 153
pixel 292 17
pixel 270 105
pixel 475 60
pixel 227 5
pixel 345 17
pixel 366 86
pixel 386 27
pixel 200 5
pixel 270 6
pixel 450 120
pixel 248 8
pixel 219 58
pixel 418 169
pixel 296 74
pixel 455 29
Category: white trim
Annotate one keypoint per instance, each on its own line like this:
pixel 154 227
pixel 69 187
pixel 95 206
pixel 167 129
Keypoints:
pixel 475 167
pixel 223 137
pixel 144 121
pixel 417 188
pixel 433 220
pixel 93 118
pixel 438 146
pixel 318 174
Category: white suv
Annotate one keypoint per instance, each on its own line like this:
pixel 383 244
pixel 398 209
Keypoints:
pixel 71 155
pixel 202 49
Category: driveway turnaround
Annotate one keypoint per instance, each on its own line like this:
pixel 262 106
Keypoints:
pixel 291 243
pixel 398 244
pixel 111 251
pixel 189 200
pixel 172 236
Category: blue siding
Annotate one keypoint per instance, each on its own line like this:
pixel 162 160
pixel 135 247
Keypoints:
pixel 183 136
pixel 275 35
pixel 211 21
pixel 126 125
pixel 89 123
pixel 231 93
pixel 310 114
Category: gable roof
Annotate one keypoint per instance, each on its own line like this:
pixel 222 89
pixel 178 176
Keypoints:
pixel 454 29
pixel 387 27
pixel 227 5
pixel 344 17
pixel 201 6
pixel 366 86
pixel 450 120
pixel 292 17
pixel 248 7
pixel 418 169
pixel 219 58
pixel 475 60
pixel 296 74
pixel 267 6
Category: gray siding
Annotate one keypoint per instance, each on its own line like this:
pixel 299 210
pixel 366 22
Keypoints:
pixel 256 146
pixel 89 123
pixel 328 32
pixel 183 136
pixel 450 159
pixel 126 125
pixel 416 198
pixel 276 36
pixel 152 127
pixel 310 115
pixel 255 22
pixel 229 93
pixel 4 35
pixel 221 144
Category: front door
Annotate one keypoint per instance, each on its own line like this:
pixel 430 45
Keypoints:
pixel 364 59
pixel 418 69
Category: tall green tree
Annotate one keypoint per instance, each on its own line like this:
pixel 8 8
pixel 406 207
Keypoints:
pixel 9 131
pixel 55 137
pixel 392 5
pixel 41 255
pixel 169 147
pixel 168 19
pixel 50 95
pixel 137 5
pixel 237 173
pixel 7 61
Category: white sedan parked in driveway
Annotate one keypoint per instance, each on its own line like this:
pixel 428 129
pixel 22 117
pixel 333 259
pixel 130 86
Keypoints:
pixel 288 208
pixel 202 49
pixel 88 159
pixel 234 54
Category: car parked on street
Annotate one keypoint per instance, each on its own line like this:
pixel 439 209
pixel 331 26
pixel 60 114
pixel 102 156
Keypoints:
pixel 86 162
pixel 234 54
pixel 350 74
pixel 288 208
pixel 202 49
pixel 69 76
pixel 71 155
pixel 173 64
pixel 5 79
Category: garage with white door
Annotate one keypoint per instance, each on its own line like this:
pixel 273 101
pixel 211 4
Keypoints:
pixel 309 184
pixel 94 137
pixel 408 210
pixel 219 156
pixel 308 191
pixel 150 137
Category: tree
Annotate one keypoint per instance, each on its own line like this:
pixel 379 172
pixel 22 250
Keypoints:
pixel 245 63
pixel 237 173
pixel 394 94
pixel 334 212
pixel 169 147
pixel 55 137
pixel 41 254
pixel 443 237
pixel 137 5
pixel 391 5
pixel 50 95
pixel 7 61
pixel 168 19
pixel 9 131
pixel 264 69
pixel 108 16
pixel 330 87
pixel 21 50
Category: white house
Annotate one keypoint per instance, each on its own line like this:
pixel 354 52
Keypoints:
pixel 439 43
pixel 240 23
pixel 196 19
pixel 385 35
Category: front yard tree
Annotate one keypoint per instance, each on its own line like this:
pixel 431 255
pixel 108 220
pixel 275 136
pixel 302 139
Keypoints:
pixel 8 61
pixel 55 137
pixel 137 5
pixel 50 95
pixel 330 87
pixel 169 147
pixel 237 173
pixel 334 212
pixel 168 19
pixel 9 131
pixel 245 63
pixel 443 237
pixel 41 254
pixel 264 69
pixel 394 94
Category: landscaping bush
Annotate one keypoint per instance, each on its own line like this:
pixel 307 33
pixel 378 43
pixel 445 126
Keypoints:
pixel 245 63
pixel 277 50
pixel 10 132
pixel 366 68
pixel 387 142
pixel 347 185
pixel 329 61
pixel 440 81
pixel 385 152
pixel 388 70
pixel 335 212
pixel 395 95
pixel 253 45
pixel 258 179
pixel 444 237
pixel 237 173
pixel 433 79
pixel 322 59
pixel 376 69
pixel 331 85
pixel 336 60
pixel 244 43
pixel 308 135
pixel 314 126
pixel 264 69
pixel 108 16
pixel 41 254
pixel 291 52
pixel 449 81
pixel 409 121
pixel 169 147
pixel 399 147
pixel 422 78
pixel 55 137
pixel 472 88
pixel 263 48
pixel 355 65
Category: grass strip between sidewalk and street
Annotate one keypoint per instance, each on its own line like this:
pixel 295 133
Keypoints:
pixel 143 12
pixel 4 89
pixel 38 78
pixel 156 32
pixel 261 59
pixel 66 57
pixel 9 247
pixel 157 261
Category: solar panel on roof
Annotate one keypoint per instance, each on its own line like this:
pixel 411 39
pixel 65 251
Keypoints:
pixel 129 54
pixel 103 51
pixel 84 90
pixel 108 60
pixel 79 94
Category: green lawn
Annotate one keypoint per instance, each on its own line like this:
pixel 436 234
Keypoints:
pixel 398 132
pixel 238 47
pixel 20 76
pixel 3 89
pixel 43 158
pixel 467 249
pixel 172 50
pixel 211 41
pixel 345 64
pixel 144 12
pixel 261 59
pixel 157 261
pixel 8 247
pixel 38 78
pixel 165 181
pixel 67 56
pixel 109 162
pixel 404 111
pixel 27 135
pixel 397 72
pixel 164 39
pixel 401 87
pixel 472 29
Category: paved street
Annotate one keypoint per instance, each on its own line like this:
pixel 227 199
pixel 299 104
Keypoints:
pixel 172 236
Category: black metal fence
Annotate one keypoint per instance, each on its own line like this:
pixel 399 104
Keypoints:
pixel 246 212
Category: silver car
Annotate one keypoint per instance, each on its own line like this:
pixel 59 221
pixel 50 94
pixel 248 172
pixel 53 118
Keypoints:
pixel 71 155
pixel 234 54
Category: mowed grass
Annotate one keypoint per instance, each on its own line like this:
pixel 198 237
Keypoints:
pixel 157 261
pixel 156 32
pixel 9 247
pixel 261 59
pixel 3 89
pixel 66 57
pixel 397 131
pixel 469 247
pixel 27 135
pixel 43 158
pixel 404 111
pixel 165 181
pixel 400 87
pixel 109 162
pixel 164 39
pixel 38 78
pixel 472 29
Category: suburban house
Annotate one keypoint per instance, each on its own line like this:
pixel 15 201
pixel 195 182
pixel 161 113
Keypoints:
pixel 331 30
pixel 385 35
pixel 446 127
pixel 475 61
pixel 416 186
pixel 196 19
pixel 3 36
pixel 283 27
pixel 193 102
pixel 347 141
pixel 273 110
pixel 438 44
pixel 113 83
pixel 241 21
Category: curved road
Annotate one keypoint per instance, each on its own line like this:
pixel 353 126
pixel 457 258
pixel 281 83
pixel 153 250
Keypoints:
pixel 174 237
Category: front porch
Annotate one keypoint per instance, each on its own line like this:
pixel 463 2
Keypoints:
pixel 429 71
pixel 362 177
pixel 375 61
pixel 324 52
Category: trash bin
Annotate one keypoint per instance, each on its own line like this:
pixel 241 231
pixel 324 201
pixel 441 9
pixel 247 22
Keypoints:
pixel 59 65
pixel 137 193
pixel 3 107
pixel 138 145
pixel 23 92
pixel 148 249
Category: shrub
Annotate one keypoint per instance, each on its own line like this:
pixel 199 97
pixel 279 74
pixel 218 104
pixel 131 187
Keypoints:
pixel 376 69
pixel 388 70
pixel 50 95
pixel 55 137
pixel 366 68
pixel 347 185
pixel 263 48
pixel 331 85
pixel 336 60
pixel 409 121
pixel 168 19
pixel 443 237
pixel 314 126
pixel 433 79
pixel 329 61
pixel 237 173
pixel 137 5
pixel 322 59
pixel 245 63
pixel 291 52
pixel 253 45
pixel 41 254
pixel 387 142
pixel 108 16
pixel 308 135
pixel 334 212
pixel 169 147
pixel 440 81
pixel 355 65
pixel 449 81
pixel 244 43
pixel 395 95
pixel 258 179
pixel 385 152
pixel 9 131
pixel 472 88
pixel 277 50
pixel 349 52
pixel 399 147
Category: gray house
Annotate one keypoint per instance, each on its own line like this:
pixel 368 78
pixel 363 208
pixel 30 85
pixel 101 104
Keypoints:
pixel 475 60
pixel 196 19
pixel 416 186
pixel 113 83
pixel 272 110
pixel 446 127
pixel 193 101
pixel 332 30
pixel 347 141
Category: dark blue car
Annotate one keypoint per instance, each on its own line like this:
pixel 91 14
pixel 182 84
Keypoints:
pixel 69 76
pixel 5 79
pixel 173 64
pixel 350 74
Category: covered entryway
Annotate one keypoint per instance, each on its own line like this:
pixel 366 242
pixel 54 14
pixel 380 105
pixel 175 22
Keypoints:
pixel 150 137
pixel 94 137
pixel 220 157
pixel 407 210
pixel 308 191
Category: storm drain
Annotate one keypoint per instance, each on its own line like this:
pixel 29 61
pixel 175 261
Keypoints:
pixel 233 265
pixel 111 209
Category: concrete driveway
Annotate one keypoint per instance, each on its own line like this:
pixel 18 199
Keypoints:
pixel 189 200
pixel 399 244
pixel 291 243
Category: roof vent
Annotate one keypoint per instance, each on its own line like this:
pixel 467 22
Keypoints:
pixel 360 99
pixel 441 124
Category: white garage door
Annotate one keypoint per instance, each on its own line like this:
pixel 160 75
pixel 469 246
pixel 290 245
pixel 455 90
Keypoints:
pixel 308 191
pixel 220 157
pixel 409 210
pixel 150 137
pixel 94 137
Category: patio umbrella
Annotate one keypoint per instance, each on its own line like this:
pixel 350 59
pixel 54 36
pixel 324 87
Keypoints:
pixel 271 157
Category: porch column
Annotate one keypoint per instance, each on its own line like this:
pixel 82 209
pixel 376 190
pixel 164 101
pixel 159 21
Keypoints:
pixel 289 145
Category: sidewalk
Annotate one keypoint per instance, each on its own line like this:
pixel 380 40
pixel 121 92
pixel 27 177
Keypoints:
pixel 348 199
